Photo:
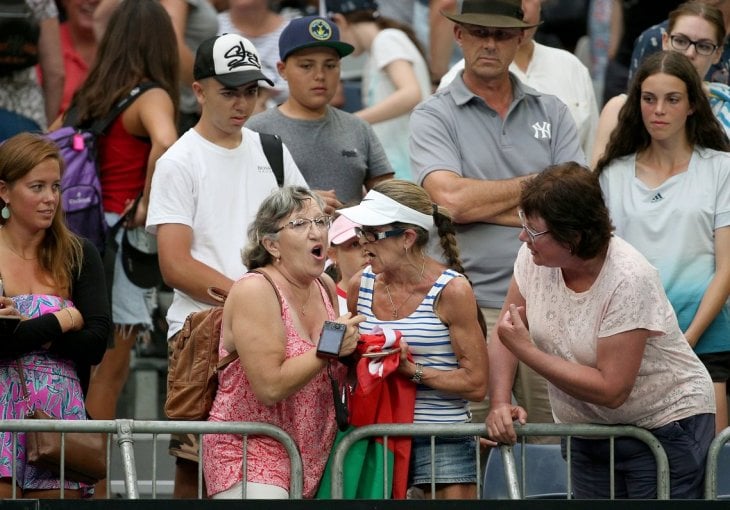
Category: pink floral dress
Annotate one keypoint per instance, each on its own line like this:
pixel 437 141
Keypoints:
pixel 53 386
pixel 308 416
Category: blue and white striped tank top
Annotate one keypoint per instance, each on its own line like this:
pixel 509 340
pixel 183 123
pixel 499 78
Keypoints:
pixel 429 341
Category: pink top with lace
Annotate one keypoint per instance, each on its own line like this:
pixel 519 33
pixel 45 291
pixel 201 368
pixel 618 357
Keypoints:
pixel 308 416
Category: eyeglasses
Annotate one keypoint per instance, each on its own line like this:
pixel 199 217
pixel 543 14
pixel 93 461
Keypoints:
pixel 682 43
pixel 372 236
pixel 301 225
pixel 530 233
pixel 498 34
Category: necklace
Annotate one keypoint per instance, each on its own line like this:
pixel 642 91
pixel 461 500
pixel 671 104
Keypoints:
pixel 394 309
pixel 7 245
pixel 303 306
pixel 19 255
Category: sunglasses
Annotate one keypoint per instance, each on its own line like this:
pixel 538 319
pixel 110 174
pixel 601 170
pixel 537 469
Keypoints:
pixel 498 34
pixel 372 236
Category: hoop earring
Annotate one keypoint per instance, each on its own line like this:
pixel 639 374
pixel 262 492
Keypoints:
pixel 5 212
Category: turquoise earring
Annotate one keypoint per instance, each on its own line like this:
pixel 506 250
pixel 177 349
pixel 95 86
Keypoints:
pixel 5 212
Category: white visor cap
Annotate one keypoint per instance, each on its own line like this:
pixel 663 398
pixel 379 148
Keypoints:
pixel 377 209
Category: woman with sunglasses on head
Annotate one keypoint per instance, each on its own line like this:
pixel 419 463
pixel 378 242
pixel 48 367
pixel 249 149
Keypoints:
pixel 697 30
pixel 666 179
pixel 588 312
pixel 274 322
pixel 434 308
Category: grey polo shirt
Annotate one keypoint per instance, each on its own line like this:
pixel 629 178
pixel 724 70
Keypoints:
pixel 457 131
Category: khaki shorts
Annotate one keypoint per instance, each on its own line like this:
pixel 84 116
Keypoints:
pixel 184 446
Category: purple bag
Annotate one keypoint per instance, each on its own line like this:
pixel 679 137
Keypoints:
pixel 80 183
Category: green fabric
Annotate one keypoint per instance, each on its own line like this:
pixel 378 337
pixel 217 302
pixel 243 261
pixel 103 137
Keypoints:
pixel 363 470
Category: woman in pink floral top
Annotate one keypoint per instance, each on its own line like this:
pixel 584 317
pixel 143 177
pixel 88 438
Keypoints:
pixel 279 378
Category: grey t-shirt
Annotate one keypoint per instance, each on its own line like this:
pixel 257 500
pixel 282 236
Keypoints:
pixel 338 151
pixel 457 131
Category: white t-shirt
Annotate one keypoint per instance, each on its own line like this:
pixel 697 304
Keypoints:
pixel 217 192
pixel 672 383
pixel 388 46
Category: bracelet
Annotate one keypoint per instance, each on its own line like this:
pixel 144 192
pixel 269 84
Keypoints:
pixel 418 374
pixel 71 316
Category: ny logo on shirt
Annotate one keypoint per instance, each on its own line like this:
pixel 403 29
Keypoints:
pixel 542 129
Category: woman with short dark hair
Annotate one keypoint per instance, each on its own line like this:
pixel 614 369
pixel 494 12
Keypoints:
pixel 587 311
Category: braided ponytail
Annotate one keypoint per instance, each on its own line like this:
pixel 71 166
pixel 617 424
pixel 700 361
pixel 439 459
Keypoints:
pixel 447 237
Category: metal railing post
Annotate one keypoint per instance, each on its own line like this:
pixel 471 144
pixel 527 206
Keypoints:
pixel 125 440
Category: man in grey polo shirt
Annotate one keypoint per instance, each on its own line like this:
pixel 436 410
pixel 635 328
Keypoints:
pixel 473 143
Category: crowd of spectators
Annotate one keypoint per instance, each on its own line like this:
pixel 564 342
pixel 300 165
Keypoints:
pixel 560 293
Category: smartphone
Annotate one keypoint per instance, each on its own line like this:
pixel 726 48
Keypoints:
pixel 380 354
pixel 330 340
pixel 8 325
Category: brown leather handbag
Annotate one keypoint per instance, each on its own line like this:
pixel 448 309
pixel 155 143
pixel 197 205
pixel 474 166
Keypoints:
pixel 85 458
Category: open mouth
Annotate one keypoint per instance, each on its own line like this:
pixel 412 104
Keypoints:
pixel 318 251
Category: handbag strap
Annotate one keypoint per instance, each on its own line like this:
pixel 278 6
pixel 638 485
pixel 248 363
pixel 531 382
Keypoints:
pixel 118 224
pixel 21 375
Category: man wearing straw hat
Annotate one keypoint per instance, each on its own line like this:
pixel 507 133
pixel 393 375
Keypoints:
pixel 472 145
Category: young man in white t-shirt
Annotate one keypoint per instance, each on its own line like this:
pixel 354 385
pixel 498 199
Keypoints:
pixel 205 190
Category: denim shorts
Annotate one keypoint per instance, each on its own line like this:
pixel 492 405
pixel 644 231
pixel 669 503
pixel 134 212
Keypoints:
pixel 131 305
pixel 455 460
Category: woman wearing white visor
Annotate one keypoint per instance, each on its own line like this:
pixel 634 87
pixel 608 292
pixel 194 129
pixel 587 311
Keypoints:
pixel 434 308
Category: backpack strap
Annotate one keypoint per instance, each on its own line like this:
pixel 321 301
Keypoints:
pixel 274 152
pixel 276 290
pixel 219 294
pixel 100 125
pixel 268 278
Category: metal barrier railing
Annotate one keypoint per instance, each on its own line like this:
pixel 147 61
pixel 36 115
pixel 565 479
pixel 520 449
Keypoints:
pixel 62 426
pixel 125 430
pixel 468 429
pixel 711 470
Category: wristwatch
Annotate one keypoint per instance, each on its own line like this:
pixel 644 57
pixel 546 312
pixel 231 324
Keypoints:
pixel 418 374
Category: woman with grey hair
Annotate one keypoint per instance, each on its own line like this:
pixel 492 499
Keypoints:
pixel 274 318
